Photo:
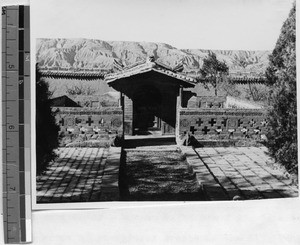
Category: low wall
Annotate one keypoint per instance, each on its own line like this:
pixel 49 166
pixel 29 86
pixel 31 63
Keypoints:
pixel 210 124
pixel 235 103
pixel 95 101
pixel 88 126
pixel 205 102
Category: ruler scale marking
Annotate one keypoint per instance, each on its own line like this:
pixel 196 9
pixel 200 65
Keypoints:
pixel 16 121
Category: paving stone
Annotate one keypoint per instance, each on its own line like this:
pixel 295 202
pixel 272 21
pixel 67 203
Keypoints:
pixel 110 195
pixel 206 180
pixel 247 168
pixel 77 175
pixel 271 194
pixel 288 193
pixel 232 191
pixel 215 194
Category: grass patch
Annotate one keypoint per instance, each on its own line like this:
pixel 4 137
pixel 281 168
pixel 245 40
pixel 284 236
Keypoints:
pixel 157 176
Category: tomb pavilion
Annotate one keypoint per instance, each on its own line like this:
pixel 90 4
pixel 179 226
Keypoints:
pixel 151 94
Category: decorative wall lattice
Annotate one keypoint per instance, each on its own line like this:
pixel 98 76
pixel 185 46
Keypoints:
pixel 223 123
pixel 88 123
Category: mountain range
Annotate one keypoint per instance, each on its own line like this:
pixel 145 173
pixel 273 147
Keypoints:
pixel 99 54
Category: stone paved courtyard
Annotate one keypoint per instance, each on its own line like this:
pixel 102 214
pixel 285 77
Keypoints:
pixel 81 174
pixel 239 173
pixel 91 174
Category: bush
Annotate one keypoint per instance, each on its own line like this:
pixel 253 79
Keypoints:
pixel 257 93
pixel 80 90
pixel 281 74
pixel 46 128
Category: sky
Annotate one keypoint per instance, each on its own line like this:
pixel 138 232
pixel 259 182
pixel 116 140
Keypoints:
pixel 206 24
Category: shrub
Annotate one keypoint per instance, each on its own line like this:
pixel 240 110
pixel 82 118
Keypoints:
pixel 230 88
pixel 281 74
pixel 257 93
pixel 80 90
pixel 46 128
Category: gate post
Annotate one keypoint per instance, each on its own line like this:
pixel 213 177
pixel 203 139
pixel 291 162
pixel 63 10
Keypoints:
pixel 178 108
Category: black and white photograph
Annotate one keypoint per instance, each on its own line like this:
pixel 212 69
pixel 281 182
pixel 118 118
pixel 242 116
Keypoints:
pixel 149 122
pixel 185 107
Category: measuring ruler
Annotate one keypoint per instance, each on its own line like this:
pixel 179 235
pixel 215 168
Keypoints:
pixel 16 124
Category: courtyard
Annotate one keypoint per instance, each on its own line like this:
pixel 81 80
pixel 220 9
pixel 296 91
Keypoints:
pixel 223 173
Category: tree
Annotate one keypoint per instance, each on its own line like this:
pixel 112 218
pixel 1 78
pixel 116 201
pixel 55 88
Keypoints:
pixel 46 128
pixel 281 75
pixel 213 71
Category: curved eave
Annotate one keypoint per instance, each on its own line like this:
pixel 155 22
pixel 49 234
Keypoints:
pixel 124 74
pixel 185 81
pixel 177 76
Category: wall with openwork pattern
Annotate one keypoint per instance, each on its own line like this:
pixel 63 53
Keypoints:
pixel 207 124
pixel 89 125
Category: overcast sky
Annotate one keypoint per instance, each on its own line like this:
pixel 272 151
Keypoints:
pixel 206 24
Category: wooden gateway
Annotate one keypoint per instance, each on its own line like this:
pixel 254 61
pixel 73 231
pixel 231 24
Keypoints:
pixel 150 97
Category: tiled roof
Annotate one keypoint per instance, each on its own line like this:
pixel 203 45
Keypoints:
pixel 237 77
pixel 247 76
pixel 246 79
pixel 146 66
pixel 72 73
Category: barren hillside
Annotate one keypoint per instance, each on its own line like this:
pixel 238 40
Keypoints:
pixel 98 54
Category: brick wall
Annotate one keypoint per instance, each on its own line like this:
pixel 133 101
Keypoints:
pixel 88 124
pixel 206 124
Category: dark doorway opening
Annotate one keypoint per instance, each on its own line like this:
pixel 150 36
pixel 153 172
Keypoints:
pixel 147 111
